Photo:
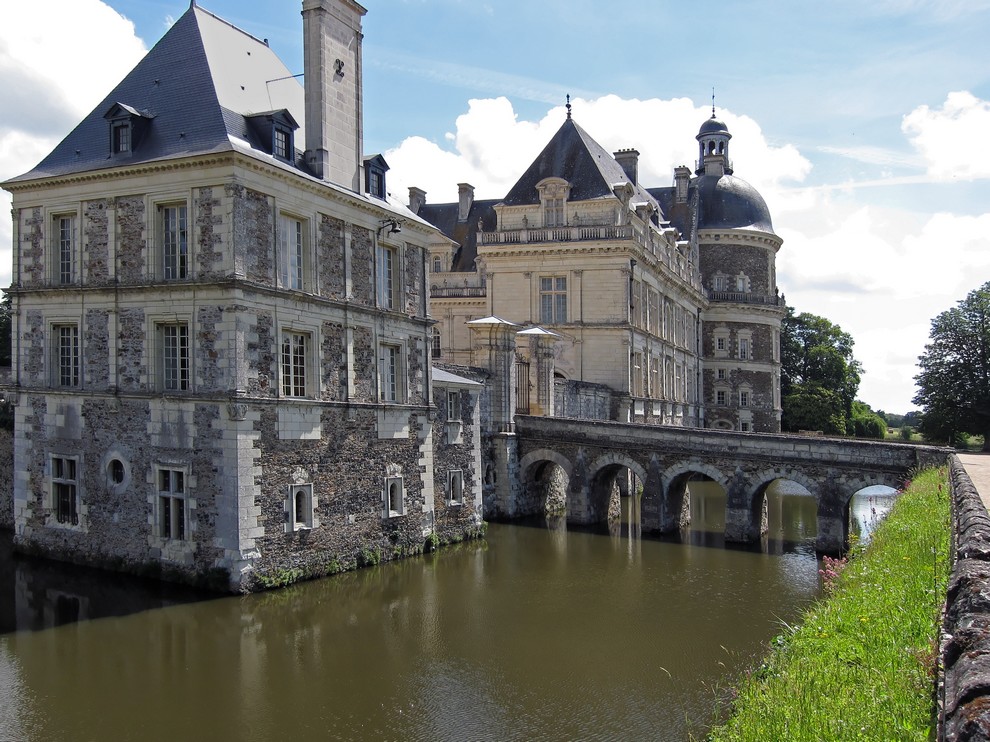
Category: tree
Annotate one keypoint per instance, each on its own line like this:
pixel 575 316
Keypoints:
pixel 819 376
pixel 954 378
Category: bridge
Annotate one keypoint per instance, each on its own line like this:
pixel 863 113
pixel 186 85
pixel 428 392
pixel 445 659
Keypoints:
pixel 580 466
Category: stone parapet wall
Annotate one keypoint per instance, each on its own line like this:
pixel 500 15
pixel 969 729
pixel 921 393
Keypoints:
pixel 964 687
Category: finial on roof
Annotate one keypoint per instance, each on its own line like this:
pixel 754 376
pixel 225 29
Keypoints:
pixel 713 98
pixel 568 105
pixel 192 3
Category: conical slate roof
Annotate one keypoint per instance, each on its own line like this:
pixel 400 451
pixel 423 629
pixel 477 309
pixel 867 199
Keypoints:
pixel 194 89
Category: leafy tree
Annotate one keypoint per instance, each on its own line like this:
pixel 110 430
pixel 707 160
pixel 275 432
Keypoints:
pixel 819 376
pixel 866 423
pixel 954 378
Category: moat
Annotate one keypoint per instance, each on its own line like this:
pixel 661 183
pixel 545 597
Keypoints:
pixel 537 632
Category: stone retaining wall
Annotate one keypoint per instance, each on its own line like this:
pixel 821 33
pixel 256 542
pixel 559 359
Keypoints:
pixel 964 687
pixel 6 479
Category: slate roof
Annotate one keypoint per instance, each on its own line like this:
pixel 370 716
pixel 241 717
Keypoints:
pixel 197 83
pixel 577 158
pixel 716 202
pixel 444 218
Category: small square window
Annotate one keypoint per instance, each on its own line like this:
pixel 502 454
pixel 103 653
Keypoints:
pixel 720 374
pixel 281 143
pixel 720 343
pixel 744 427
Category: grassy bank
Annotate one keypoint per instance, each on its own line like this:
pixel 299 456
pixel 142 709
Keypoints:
pixel 861 664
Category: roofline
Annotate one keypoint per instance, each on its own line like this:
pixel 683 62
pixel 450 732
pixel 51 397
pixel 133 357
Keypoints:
pixel 235 156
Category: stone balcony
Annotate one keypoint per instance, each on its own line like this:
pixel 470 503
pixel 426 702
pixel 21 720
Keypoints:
pixel 743 297
pixel 652 243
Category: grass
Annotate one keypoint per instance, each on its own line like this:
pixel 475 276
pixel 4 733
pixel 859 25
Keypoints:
pixel 861 665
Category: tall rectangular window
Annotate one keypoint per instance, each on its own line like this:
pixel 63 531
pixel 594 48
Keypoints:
pixel 280 143
pixel 455 486
pixel 391 374
pixel 66 355
pixel 174 339
pixel 65 257
pixel 743 348
pixel 394 496
pixel 291 253
pixel 453 405
pixel 388 277
pixel 553 212
pixel 553 299
pixel 295 353
pixel 175 243
pixel 172 510
pixel 64 490
pixel 720 398
pixel 744 399
pixel 121 137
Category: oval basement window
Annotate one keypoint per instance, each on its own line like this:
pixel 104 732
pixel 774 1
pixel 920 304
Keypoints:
pixel 116 471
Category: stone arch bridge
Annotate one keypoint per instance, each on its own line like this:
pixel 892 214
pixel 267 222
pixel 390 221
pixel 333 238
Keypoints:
pixel 595 455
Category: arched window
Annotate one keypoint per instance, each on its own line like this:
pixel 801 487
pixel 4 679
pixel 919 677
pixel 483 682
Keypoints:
pixel 437 265
pixel 300 506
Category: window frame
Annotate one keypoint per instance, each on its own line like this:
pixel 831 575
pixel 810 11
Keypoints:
pixel 553 299
pixel 289 373
pixel 59 368
pixel 174 256
pixel 301 507
pixel 388 272
pixel 173 523
pixel 70 495
pixel 183 368
pixel 64 251
pixel 398 499
pixel 391 372
pixel 455 487
pixel 294 261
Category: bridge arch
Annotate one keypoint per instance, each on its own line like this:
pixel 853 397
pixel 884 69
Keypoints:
pixel 546 477
pixel 604 486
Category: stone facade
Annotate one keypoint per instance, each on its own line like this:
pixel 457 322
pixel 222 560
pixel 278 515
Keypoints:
pixel 222 370
pixel 666 296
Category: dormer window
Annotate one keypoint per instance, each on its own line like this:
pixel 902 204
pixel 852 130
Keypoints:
pixel 375 168
pixel 281 143
pixel 121 137
pixel 275 132
pixel 127 125
pixel 553 198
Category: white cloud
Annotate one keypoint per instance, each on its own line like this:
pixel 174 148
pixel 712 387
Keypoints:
pixel 880 273
pixel 492 147
pixel 950 138
pixel 51 75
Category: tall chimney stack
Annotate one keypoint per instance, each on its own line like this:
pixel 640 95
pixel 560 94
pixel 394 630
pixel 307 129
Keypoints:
pixel 333 78
pixel 628 160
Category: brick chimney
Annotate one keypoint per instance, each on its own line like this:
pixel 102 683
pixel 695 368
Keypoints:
pixel 334 111
pixel 628 160
pixel 417 199
pixel 465 197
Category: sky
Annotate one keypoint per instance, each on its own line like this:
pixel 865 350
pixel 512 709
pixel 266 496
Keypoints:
pixel 865 126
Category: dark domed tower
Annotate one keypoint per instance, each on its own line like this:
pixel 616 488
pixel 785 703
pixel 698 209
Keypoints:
pixel 737 247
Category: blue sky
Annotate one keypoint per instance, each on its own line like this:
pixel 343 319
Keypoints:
pixel 864 125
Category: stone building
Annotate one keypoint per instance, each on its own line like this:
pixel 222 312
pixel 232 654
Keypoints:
pixel 664 300
pixel 222 344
